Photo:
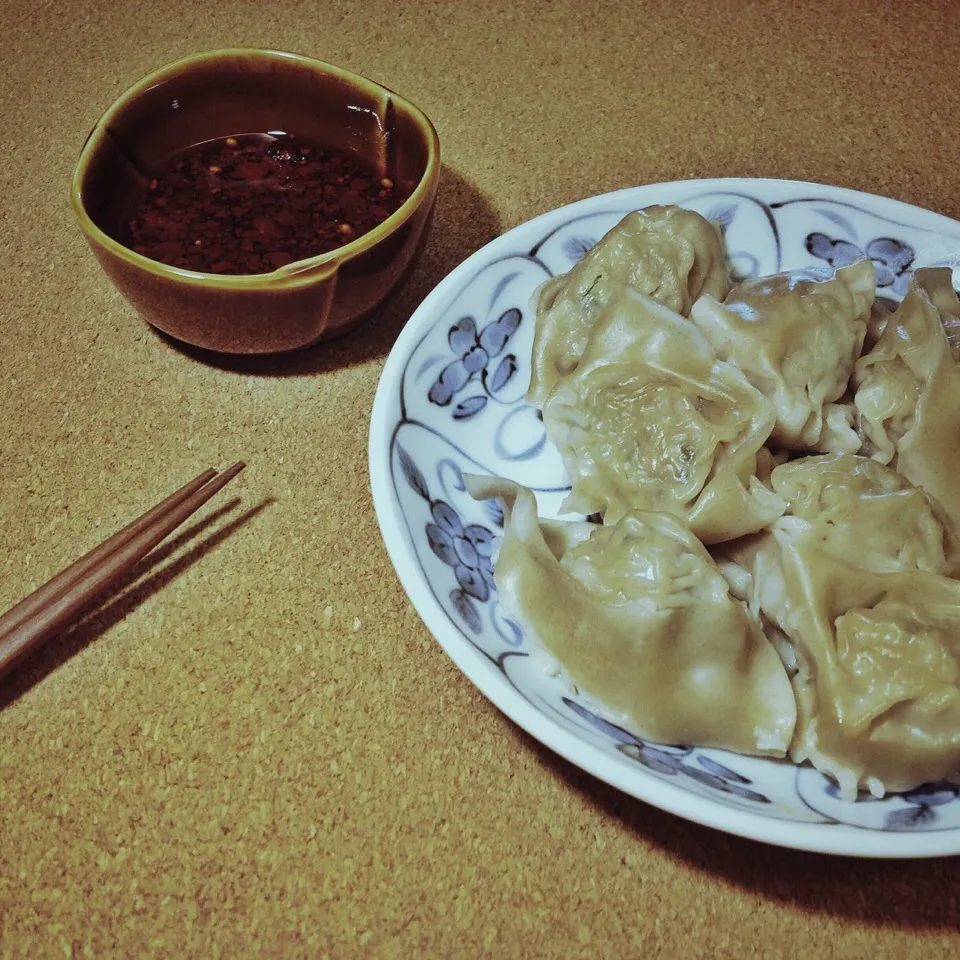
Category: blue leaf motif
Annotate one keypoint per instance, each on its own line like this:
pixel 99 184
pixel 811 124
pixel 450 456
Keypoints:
pixel 932 794
pixel 840 220
pixel 495 511
pixel 707 779
pixel 429 362
pixel 504 373
pixel 517 632
pixel 657 760
pixel 502 285
pixel 746 793
pixel 611 729
pixel 577 247
pixel 412 473
pixel 510 631
pixel 910 818
pixel 467 610
pixel 832 790
pixel 719 770
pixel 723 214
pixel 469 408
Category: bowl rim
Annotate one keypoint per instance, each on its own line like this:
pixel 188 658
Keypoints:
pixel 299 272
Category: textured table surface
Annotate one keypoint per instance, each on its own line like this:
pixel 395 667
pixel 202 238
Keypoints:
pixel 254 746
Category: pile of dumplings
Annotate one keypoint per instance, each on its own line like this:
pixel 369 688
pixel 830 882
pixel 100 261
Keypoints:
pixel 775 468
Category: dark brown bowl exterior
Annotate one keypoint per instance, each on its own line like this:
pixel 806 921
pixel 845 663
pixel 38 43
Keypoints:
pixel 248 91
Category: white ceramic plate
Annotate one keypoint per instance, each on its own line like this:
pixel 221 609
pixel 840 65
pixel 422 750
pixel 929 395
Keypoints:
pixel 450 401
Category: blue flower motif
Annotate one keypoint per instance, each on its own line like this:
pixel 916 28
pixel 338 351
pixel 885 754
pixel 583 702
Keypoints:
pixel 921 813
pixel 465 548
pixel 576 248
pixel 891 258
pixel 671 761
pixel 932 794
pixel 474 351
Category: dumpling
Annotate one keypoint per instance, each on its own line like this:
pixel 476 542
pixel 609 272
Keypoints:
pixel 650 420
pixel 908 392
pixel 848 587
pixel 797 340
pixel 639 617
pixel 876 660
pixel 668 253
pixel 855 509
pixel 895 717
pixel 862 512
pixel 938 284
pixel 880 315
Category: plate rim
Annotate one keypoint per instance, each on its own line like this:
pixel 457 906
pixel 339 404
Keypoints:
pixel 825 838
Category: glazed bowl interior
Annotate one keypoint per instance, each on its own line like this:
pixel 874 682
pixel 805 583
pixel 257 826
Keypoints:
pixel 235 92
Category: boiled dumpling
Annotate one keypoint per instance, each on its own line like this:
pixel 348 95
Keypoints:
pixel 848 586
pixel 938 285
pixel 796 340
pixel 650 420
pixel 908 392
pixel 855 509
pixel 862 512
pixel 668 253
pixel 880 315
pixel 639 617
pixel 894 696
pixel 876 660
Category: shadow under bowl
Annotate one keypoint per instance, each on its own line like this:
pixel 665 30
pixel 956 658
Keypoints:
pixel 246 91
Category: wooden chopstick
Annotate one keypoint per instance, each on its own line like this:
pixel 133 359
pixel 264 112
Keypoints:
pixel 39 598
pixel 50 608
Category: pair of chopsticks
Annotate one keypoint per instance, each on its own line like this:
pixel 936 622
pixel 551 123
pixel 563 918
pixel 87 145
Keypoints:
pixel 54 605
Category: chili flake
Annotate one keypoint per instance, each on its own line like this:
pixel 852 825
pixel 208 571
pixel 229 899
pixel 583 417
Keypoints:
pixel 254 203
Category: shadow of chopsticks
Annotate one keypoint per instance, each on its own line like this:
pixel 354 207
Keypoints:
pixel 124 597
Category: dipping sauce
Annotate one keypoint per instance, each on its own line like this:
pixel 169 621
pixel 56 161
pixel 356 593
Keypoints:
pixel 253 203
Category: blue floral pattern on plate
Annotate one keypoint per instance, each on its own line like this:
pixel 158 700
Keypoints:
pixel 671 760
pixel 892 259
pixel 474 353
pixel 451 401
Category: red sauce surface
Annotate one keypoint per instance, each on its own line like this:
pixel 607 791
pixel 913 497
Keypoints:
pixel 250 204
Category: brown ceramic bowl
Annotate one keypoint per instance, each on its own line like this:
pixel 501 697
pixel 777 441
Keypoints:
pixel 230 92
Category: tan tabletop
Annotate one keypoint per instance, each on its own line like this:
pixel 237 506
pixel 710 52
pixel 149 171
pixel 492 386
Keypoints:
pixel 255 746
